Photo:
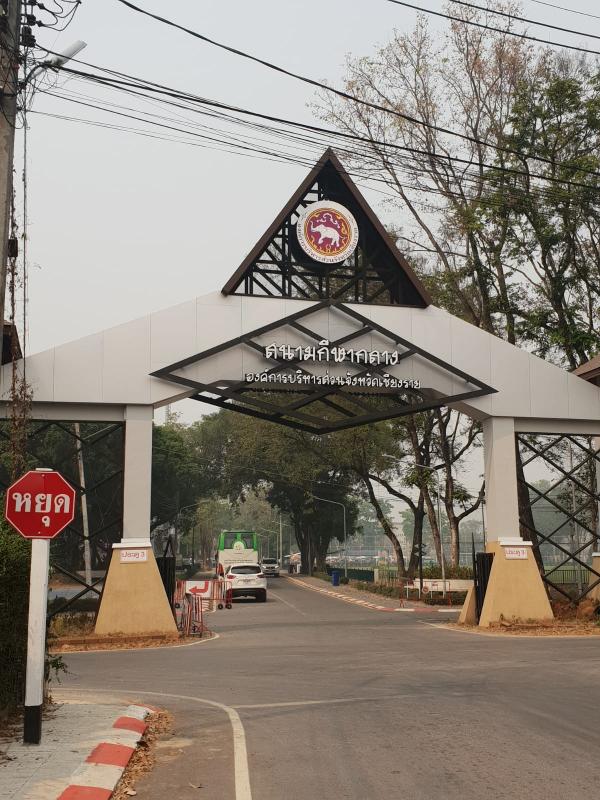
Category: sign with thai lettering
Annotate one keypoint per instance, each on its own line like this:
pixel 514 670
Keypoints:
pixel 515 553
pixel 338 355
pixel 333 356
pixel 136 555
pixel 40 504
pixel 301 378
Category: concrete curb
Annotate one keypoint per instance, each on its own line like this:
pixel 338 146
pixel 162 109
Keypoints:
pixel 97 777
pixel 374 606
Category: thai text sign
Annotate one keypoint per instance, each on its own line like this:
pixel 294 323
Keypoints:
pixel 40 504
pixel 134 556
pixel 339 355
pixel 515 553
pixel 332 356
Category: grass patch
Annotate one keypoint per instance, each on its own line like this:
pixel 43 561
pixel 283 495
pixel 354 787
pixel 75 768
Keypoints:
pixel 71 624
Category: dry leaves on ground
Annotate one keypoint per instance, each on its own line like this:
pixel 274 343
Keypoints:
pixel 124 643
pixel 555 627
pixel 142 761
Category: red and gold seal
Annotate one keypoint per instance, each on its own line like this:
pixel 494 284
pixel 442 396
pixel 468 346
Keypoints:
pixel 327 232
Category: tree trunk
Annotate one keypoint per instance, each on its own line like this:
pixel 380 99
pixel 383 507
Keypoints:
pixel 419 520
pixel 433 524
pixel 387 528
pixel 302 539
pixel 453 524
pixel 321 548
pixel 526 522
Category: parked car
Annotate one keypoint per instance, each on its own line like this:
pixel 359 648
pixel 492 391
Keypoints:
pixel 270 566
pixel 247 580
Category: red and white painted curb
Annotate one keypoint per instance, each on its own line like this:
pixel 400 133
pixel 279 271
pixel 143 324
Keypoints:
pixel 97 777
pixel 357 601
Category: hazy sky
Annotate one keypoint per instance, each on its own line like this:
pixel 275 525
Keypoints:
pixel 121 225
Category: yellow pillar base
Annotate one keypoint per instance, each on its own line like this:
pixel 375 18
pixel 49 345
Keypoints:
pixel 594 594
pixel 515 589
pixel 134 601
pixel 468 613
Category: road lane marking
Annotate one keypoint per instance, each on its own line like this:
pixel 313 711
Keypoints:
pixel 291 605
pixel 240 752
pixel 332 701
pixel 365 604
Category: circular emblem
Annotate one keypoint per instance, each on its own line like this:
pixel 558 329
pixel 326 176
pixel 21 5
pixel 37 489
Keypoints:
pixel 327 232
pixel 238 545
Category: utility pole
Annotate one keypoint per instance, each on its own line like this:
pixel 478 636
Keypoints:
pixel 10 38
pixel 87 555
pixel 280 541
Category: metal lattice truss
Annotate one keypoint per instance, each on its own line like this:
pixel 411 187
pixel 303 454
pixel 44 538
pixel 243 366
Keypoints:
pixel 298 398
pixel 97 449
pixel 561 518
pixel 376 273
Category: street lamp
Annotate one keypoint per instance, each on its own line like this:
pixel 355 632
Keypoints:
pixel 57 60
pixel 278 533
pixel 176 520
pixel 335 503
pixel 439 521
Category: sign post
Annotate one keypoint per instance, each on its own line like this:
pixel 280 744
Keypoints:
pixel 36 641
pixel 39 505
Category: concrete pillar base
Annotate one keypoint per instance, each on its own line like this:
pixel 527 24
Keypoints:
pixel 468 613
pixel 594 594
pixel 515 589
pixel 134 601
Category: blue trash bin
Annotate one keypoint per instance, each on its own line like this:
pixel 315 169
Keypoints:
pixel 335 578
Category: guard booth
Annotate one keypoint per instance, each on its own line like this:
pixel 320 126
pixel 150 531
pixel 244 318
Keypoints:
pixel 324 326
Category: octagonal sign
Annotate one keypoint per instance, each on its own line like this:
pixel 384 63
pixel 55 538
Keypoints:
pixel 40 504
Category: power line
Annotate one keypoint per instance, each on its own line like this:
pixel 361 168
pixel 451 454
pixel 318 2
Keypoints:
pixel 503 31
pixel 157 88
pixel 414 170
pixel 339 92
pixel 563 8
pixel 411 169
pixel 509 16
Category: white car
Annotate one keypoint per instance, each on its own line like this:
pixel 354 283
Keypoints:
pixel 247 580
pixel 270 566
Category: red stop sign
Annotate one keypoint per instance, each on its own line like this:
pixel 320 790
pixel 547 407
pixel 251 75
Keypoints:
pixel 40 504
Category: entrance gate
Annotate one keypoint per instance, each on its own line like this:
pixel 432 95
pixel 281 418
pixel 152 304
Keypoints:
pixel 324 326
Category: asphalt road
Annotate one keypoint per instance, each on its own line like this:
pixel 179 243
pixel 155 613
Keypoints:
pixel 345 702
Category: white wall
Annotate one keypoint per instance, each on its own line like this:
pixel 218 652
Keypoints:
pixel 114 366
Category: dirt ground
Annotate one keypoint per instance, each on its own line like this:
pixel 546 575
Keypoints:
pixel 160 726
pixel 569 620
pixel 75 632
pixel 123 643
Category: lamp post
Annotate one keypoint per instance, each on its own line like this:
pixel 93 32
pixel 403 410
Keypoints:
pixel 336 503
pixel 439 521
pixel 176 522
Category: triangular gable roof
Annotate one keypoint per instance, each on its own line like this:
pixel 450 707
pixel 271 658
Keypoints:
pixel 419 295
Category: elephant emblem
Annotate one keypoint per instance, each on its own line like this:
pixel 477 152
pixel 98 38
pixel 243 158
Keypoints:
pixel 327 231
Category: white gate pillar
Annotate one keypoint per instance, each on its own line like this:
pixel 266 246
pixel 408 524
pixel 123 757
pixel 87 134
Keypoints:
pixel 515 589
pixel 134 601
pixel 501 493
pixel 137 480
